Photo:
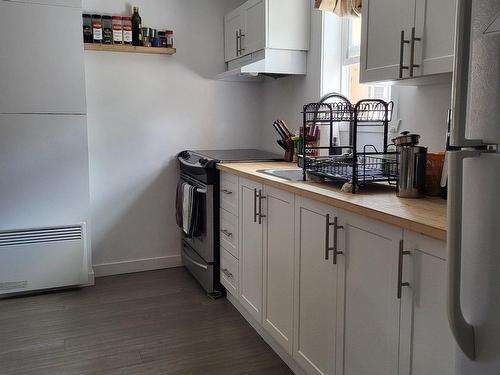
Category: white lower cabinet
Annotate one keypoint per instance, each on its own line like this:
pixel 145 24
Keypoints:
pixel 427 344
pixel 340 293
pixel 315 289
pixel 251 247
pixel 278 265
pixel 372 307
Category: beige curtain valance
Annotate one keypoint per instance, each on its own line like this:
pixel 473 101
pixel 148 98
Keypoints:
pixel 342 8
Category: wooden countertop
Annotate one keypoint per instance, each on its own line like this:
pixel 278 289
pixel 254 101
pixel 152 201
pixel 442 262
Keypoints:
pixel 425 215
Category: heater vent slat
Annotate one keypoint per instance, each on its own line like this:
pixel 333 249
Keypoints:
pixel 41 235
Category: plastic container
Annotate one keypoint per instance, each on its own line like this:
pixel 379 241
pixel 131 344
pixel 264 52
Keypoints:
pixel 127 30
pixel 117 30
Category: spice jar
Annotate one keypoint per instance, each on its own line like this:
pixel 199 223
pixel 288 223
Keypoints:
pixel 170 38
pixel 96 28
pixel 127 30
pixel 117 30
pixel 107 30
pixel 163 39
pixel 146 37
pixel 87 28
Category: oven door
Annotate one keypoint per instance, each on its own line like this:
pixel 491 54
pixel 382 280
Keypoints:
pixel 203 244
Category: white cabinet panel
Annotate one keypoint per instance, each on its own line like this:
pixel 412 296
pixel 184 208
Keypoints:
pixel 372 310
pixel 37 76
pixel 315 290
pixel 383 21
pixel 280 34
pixel 427 344
pixel 229 272
pixel 229 193
pixel 65 3
pixel 229 232
pixel 278 266
pixel 233 23
pixel 44 169
pixel 251 249
pixel 254 39
pixel 435 24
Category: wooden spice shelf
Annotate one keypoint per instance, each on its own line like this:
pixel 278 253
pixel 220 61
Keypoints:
pixel 128 48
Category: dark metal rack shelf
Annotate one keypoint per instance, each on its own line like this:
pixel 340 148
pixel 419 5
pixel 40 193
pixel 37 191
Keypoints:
pixel 358 168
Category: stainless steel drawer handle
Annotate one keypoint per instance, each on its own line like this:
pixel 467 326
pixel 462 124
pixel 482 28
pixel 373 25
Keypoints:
pixel 402 54
pixel 401 284
pixel 336 228
pixel 227 192
pixel 227 233
pixel 226 272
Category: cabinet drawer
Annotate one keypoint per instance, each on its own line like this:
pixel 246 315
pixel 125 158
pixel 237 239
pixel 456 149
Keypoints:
pixel 229 272
pixel 417 241
pixel 229 193
pixel 229 232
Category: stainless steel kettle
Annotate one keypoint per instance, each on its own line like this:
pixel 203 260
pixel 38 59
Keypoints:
pixel 412 161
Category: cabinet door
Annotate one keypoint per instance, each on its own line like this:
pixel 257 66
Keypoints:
pixel 65 3
pixel 254 33
pixel 435 25
pixel 278 265
pixel 427 344
pixel 38 76
pixel 372 309
pixel 383 21
pixel 251 248
pixel 233 23
pixel 315 290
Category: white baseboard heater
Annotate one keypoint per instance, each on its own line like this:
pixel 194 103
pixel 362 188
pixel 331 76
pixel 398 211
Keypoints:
pixel 43 258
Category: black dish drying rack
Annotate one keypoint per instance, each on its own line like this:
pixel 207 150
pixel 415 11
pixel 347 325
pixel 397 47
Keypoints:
pixel 356 167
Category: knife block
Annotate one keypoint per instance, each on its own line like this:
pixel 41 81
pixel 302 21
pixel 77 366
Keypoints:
pixel 289 154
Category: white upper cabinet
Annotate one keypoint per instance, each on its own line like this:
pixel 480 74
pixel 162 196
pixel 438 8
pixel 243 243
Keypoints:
pixel 260 24
pixel 382 24
pixel 406 39
pixel 65 3
pixel 37 76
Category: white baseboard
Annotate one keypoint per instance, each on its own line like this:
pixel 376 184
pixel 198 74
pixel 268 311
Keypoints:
pixel 278 349
pixel 138 265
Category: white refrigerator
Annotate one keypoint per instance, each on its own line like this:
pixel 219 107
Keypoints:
pixel 474 190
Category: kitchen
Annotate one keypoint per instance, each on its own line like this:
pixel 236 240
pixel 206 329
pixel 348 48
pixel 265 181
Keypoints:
pixel 109 182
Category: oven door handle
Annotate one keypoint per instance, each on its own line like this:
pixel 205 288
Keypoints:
pixel 188 258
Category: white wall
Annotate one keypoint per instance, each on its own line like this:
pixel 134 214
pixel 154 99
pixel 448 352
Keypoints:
pixel 143 110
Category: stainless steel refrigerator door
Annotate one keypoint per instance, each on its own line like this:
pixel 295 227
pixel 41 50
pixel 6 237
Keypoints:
pixel 480 284
pixel 476 83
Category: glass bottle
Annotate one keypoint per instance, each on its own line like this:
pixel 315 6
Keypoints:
pixel 136 28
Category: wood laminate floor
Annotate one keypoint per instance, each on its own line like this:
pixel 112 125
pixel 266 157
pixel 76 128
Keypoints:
pixel 157 322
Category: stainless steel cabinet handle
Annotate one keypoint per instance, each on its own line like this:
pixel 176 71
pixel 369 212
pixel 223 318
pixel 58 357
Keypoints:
pixel 327 237
pixel 241 45
pixel 261 197
pixel 227 192
pixel 462 331
pixel 401 284
pixel 336 251
pixel 255 214
pixel 412 51
pixel 226 272
pixel 227 233
pixel 237 43
pixel 402 54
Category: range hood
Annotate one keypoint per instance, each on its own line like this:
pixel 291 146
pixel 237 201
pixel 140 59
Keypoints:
pixel 269 62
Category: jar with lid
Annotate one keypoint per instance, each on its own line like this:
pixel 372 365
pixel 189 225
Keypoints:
pixel 107 30
pixel 163 38
pixel 96 28
pixel 87 28
pixel 170 38
pixel 127 30
pixel 117 30
pixel 146 37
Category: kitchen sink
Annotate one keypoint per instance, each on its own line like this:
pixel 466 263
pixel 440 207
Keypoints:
pixel 286 174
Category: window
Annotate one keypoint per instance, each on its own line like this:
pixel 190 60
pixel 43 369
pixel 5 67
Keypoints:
pixel 350 86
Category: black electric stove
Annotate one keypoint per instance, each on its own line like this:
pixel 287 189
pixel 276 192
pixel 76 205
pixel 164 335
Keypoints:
pixel 200 254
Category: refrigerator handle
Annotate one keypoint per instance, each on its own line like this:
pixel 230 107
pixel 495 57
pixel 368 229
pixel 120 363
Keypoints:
pixel 460 88
pixel 462 331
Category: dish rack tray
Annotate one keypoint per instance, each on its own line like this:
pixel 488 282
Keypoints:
pixel 354 166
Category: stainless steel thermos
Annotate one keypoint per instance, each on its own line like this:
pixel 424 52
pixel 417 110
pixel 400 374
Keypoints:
pixel 411 164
